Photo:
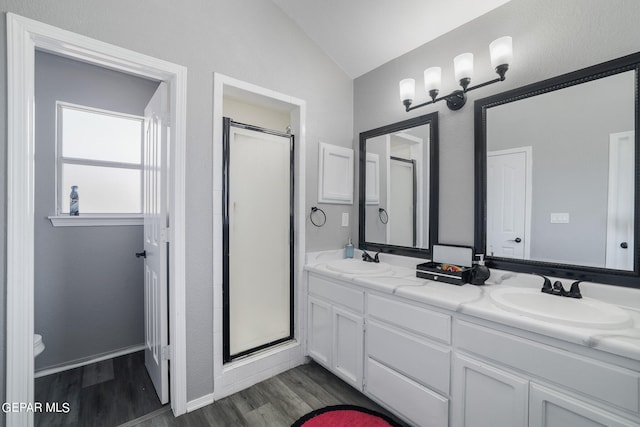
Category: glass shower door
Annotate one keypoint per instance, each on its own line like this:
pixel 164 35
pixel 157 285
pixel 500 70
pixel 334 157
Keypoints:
pixel 258 239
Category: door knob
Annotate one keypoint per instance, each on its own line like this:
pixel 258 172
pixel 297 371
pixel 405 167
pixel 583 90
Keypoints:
pixel 517 240
pixel 142 254
pixel 624 245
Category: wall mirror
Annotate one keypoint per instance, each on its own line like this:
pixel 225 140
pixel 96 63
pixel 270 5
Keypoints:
pixel 557 175
pixel 399 187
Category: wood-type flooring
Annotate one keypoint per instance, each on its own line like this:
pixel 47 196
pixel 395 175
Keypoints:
pixel 118 392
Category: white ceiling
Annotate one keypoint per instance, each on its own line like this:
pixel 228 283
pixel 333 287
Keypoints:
pixel 361 35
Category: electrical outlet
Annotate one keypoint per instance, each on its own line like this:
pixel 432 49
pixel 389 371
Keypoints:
pixel 559 218
pixel 345 219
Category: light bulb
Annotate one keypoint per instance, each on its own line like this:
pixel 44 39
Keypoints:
pixel 432 78
pixel 501 51
pixel 463 66
pixel 407 89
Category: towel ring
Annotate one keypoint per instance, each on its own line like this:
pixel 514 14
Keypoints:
pixel 315 209
pixel 384 216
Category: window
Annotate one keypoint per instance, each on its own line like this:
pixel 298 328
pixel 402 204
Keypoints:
pixel 100 152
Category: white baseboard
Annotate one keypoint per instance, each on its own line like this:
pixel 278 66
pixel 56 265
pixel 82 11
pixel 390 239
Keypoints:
pixel 200 402
pixel 89 360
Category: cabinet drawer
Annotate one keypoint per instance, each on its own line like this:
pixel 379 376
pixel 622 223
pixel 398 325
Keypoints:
pixel 609 383
pixel 426 363
pixel 416 319
pixel 418 404
pixel 336 293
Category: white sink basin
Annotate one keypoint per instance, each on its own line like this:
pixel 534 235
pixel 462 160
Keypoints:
pixel 356 266
pixel 582 313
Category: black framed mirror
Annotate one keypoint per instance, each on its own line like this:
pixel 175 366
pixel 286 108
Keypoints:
pixel 558 176
pixel 399 187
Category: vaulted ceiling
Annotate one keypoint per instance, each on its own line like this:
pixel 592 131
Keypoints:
pixel 361 35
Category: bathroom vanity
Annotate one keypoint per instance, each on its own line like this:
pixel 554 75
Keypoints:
pixel 444 355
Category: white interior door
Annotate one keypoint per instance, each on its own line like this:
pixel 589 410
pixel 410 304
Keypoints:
pixel 620 215
pixel 259 239
pixel 155 241
pixel 508 203
pixel 401 230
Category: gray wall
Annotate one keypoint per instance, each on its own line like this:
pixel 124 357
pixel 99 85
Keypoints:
pixel 549 38
pixel 569 136
pixel 88 285
pixel 251 40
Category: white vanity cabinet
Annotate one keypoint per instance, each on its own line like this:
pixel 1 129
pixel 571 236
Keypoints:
pixel 336 328
pixel 408 359
pixel 485 396
pixel 550 408
pixel 441 368
pixel 553 387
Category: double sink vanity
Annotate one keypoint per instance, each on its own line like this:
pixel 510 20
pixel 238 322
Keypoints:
pixel 503 354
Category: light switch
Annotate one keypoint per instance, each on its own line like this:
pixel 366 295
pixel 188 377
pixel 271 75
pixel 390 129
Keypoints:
pixel 345 219
pixel 560 218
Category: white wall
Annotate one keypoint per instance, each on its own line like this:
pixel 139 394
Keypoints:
pixel 251 40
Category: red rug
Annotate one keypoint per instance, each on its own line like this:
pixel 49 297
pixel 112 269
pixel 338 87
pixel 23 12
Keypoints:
pixel 344 416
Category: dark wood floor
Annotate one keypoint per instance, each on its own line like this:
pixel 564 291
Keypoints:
pixel 119 392
pixel 106 393
pixel 278 401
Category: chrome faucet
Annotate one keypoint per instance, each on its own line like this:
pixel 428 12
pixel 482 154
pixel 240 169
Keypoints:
pixel 367 258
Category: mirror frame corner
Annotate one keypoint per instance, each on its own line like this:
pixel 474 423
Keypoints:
pixel 432 120
pixel 625 278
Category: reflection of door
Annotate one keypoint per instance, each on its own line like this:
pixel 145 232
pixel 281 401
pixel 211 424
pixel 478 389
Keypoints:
pixel 508 203
pixel 620 243
pixel 155 246
pixel 401 229
pixel 258 239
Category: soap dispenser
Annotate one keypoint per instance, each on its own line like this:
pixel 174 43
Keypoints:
pixel 348 249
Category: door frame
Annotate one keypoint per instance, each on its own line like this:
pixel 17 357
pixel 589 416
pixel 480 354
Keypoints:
pixel 232 377
pixel 24 37
pixel 411 162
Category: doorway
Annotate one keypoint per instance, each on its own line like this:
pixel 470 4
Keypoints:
pixel 249 103
pixel 402 218
pixel 620 209
pixel 509 175
pixel 25 36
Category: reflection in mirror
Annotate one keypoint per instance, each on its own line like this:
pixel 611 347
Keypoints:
pixel 560 181
pixel 397 179
pixel 558 192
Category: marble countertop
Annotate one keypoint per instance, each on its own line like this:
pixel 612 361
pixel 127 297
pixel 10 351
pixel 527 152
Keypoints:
pixel 476 301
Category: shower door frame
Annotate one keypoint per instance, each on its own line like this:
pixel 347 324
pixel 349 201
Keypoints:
pixel 226 335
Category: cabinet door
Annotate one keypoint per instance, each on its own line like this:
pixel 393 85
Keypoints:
pixel 348 343
pixel 484 396
pixel 549 408
pixel 319 330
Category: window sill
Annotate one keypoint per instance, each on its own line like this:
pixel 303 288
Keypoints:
pixel 96 220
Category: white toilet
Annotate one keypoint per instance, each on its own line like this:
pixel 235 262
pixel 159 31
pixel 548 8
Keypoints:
pixel 38 345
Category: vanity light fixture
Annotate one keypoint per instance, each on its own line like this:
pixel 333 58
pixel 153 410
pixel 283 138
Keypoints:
pixel 501 56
